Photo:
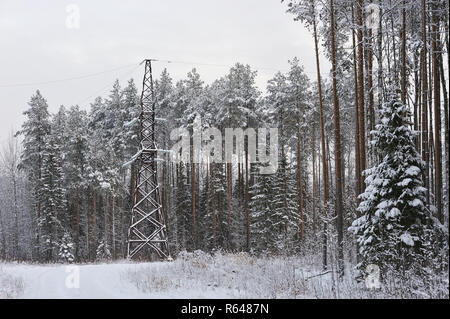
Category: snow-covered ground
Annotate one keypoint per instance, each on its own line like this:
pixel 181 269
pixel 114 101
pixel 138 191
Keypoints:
pixel 11 286
pixel 60 281
pixel 201 277
pixel 192 275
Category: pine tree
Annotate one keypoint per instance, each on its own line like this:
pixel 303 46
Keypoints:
pixel 52 197
pixel 235 108
pixel 308 12
pixel 9 158
pixel 35 131
pixel 396 226
pixel 95 158
pixel 130 140
pixel 75 169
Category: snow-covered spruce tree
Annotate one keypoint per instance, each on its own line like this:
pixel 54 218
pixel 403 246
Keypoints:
pixel 262 229
pixel 284 218
pixel 183 216
pixel 396 228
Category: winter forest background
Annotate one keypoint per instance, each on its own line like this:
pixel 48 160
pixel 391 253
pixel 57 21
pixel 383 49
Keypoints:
pixel 380 115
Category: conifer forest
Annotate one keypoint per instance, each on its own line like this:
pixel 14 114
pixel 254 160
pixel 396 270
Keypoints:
pixel 355 194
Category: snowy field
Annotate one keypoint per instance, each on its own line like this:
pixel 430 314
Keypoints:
pixel 192 275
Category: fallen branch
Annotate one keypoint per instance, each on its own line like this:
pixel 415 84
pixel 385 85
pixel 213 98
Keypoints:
pixel 324 273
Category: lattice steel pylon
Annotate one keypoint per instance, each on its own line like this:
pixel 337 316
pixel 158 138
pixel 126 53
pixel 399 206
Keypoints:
pixel 148 231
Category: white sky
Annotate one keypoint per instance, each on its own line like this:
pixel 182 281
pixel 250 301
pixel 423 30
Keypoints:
pixel 37 46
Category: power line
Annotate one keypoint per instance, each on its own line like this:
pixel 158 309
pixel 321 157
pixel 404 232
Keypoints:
pixel 108 85
pixel 309 74
pixel 210 64
pixel 123 67
pixel 136 66
pixel 66 79
pixel 96 93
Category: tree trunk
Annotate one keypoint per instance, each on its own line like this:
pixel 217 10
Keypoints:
pixel 370 78
pixel 417 100
pixel 94 216
pixel 446 122
pixel 247 218
pixel 362 125
pixel 425 154
pixel 38 207
pixel 403 35
pixel 122 237
pixel 380 56
pixel 394 50
pixel 437 117
pixel 194 229
pixel 113 230
pixel 357 130
pixel 105 226
pixel 88 214
pixel 313 150
pixel 16 219
pixel 337 146
pixel 213 203
pixel 299 169
pixel 77 222
pixel 322 132
pixel 3 232
pixel 229 192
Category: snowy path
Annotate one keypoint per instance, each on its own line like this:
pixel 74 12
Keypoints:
pixel 95 281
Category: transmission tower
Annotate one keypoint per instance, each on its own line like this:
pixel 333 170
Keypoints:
pixel 147 234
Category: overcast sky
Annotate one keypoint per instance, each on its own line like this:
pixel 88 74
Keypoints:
pixel 40 42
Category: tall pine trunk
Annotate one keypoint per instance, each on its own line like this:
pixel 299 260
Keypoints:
pixel 357 130
pixel 77 221
pixel 94 216
pixel 446 122
pixel 403 36
pixel 424 128
pixel 437 116
pixel 337 150
pixel 362 125
pixel 314 191
pixel 247 217
pixel 299 169
pixel 322 132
